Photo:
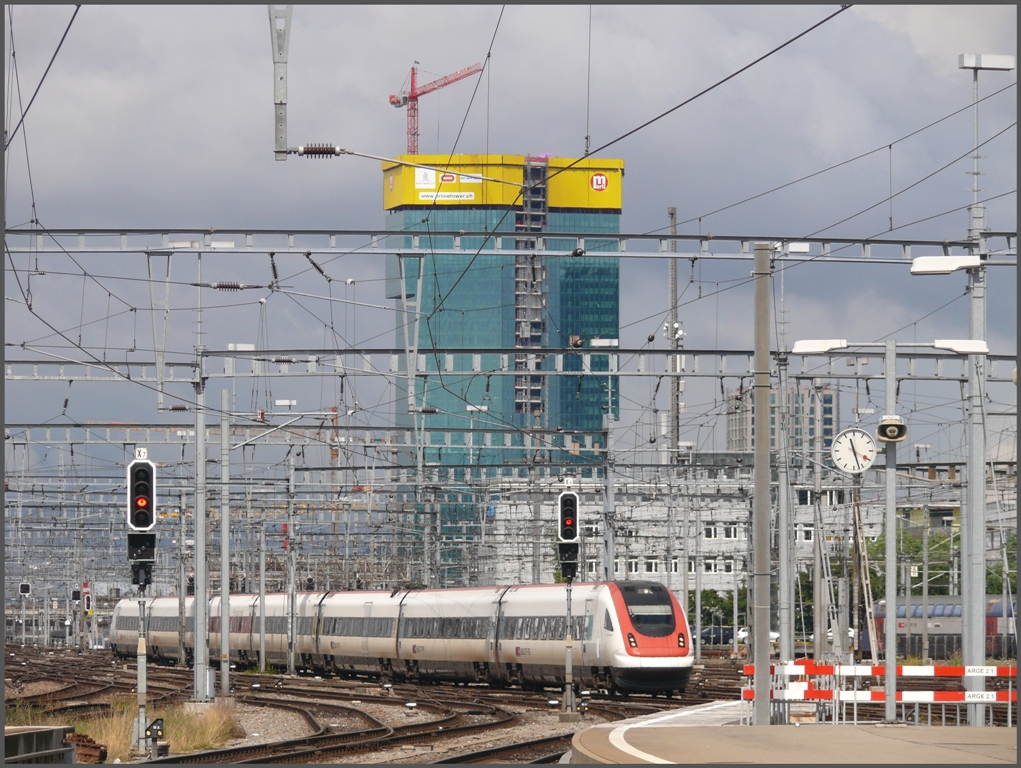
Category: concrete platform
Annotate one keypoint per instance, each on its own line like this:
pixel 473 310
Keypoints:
pixel 712 733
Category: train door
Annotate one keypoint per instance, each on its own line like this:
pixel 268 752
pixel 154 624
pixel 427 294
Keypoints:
pixel 253 625
pixel 365 629
pixel 318 625
pixel 589 642
pixel 492 653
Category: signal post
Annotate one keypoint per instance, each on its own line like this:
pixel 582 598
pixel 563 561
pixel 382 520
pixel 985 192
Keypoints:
pixel 141 519
pixel 567 549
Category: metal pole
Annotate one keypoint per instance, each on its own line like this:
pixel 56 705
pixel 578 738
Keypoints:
pixel 569 686
pixel 685 538
pixel 819 589
pixel 262 597
pixel 698 582
pixel 973 532
pixel 974 547
pixel 735 607
pixel 140 684
pixel 761 510
pixel 533 491
pixel 890 624
pixel 291 593
pixel 225 543
pixel 201 633
pixel 786 574
pixel 23 621
pixel 608 502
pixel 672 333
pixel 925 583
pixel 182 626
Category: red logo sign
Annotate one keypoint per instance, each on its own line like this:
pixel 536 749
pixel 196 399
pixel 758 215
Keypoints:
pixel 599 182
pixel 448 178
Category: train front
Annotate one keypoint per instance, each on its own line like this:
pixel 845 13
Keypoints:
pixel 654 653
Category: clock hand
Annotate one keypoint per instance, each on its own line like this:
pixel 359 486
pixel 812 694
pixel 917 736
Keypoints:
pixel 855 452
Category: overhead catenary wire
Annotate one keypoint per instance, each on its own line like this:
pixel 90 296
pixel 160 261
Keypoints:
pixel 10 137
pixel 644 125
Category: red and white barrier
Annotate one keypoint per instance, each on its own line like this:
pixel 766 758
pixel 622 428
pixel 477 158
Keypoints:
pixel 798 693
pixel 807 667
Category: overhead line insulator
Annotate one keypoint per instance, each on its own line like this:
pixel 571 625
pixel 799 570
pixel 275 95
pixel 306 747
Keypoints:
pixel 319 150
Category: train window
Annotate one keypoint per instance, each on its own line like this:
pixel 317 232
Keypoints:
pixel 607 623
pixel 916 611
pixel 543 628
pixel 957 610
pixel 901 611
pixel 650 609
pixel 939 610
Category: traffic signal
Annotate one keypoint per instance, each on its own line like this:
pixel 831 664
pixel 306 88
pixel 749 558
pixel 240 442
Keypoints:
pixel 88 603
pixel 141 495
pixel 567 512
pixel 76 595
pixel 25 588
pixel 141 574
pixel 155 729
pixel 142 547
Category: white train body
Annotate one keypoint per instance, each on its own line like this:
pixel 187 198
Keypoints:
pixel 628 636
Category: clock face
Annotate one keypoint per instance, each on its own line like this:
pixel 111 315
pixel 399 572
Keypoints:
pixel 853 451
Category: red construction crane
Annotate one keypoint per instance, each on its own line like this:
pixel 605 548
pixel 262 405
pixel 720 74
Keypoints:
pixel 409 98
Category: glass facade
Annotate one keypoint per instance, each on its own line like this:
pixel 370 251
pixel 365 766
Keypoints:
pixel 468 301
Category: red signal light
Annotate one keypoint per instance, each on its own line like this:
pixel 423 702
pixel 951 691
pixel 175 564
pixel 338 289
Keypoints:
pixel 141 502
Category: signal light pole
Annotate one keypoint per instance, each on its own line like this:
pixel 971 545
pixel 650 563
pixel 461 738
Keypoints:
pixel 567 547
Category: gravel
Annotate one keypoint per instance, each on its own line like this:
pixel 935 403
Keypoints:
pixel 267 724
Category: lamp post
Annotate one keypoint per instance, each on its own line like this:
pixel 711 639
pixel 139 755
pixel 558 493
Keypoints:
pixel 825 347
pixel 973 520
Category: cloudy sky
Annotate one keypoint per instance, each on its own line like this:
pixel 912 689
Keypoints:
pixel 162 116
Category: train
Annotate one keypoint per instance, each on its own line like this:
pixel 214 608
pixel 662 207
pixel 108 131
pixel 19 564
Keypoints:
pixel 945 626
pixel 627 636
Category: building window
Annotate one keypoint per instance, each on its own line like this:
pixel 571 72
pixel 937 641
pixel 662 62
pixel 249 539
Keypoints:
pixel 616 566
pixel 806 533
pixel 592 565
pixel 804 498
pixel 673 565
pixel 632 566
pixel 730 531
pixel 691 565
pixel 709 566
pixel 728 566
pixel 710 531
pixel 652 566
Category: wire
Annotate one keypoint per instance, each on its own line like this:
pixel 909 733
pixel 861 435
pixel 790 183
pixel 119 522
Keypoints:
pixel 644 125
pixel 970 105
pixel 915 184
pixel 9 139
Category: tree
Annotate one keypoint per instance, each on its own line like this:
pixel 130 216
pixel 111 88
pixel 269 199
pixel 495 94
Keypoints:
pixel 994 574
pixel 909 549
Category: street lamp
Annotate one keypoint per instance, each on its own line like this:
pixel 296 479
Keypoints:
pixel 973 526
pixel 825 347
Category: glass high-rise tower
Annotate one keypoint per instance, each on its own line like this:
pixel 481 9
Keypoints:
pixel 504 292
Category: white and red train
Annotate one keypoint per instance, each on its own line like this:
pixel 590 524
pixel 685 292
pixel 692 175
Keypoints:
pixel 629 636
